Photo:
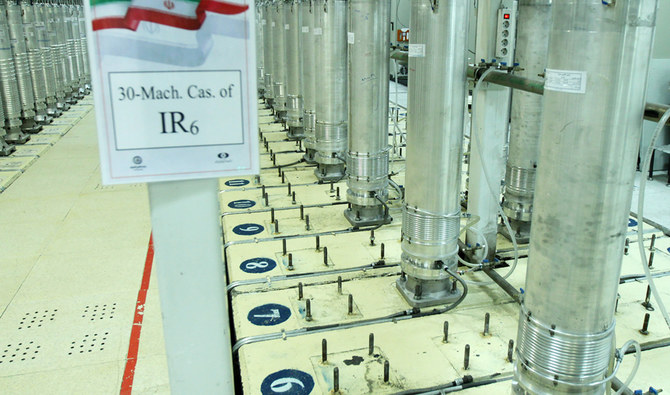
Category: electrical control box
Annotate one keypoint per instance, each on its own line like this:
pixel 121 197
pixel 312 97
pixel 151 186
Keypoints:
pixel 506 35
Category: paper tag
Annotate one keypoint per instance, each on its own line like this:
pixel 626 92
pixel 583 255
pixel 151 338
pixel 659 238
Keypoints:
pixel 350 37
pixel 417 50
pixel 318 31
pixel 570 81
pixel 305 29
pixel 287 27
pixel 264 22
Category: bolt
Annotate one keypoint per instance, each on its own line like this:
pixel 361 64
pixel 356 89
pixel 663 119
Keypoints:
pixel 293 198
pixel 371 344
pixel 358 215
pixel 653 243
pixel 279 172
pixel 382 251
pixel 283 177
pixel 332 189
pixel 289 189
pixel 302 212
pixel 283 247
pixel 647 300
pixel 339 285
pixel 262 190
pixel 445 330
pixel 308 310
pixel 300 291
pixel 651 259
pixel 266 199
pixel 387 369
pixel 274 162
pixel 290 261
pixel 616 305
pixel 372 237
pixel 350 309
pixel 307 222
pixel 487 318
pixel 318 243
pixel 324 351
pixel 466 359
pixel 325 256
pixel 626 246
pixel 337 193
pixel 272 215
pixel 645 325
pixel 336 380
pixel 276 226
pixel 510 351
pixel 417 292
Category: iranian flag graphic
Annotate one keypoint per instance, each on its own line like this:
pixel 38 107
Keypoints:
pixel 181 14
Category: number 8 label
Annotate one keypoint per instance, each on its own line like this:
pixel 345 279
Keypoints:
pixel 258 265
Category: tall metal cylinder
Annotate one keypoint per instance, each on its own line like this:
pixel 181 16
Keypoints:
pixel 67 51
pixel 531 52
pixel 11 101
pixel 307 59
pixel 436 111
pixel 260 61
pixel 34 55
pixel 57 55
pixel 293 70
pixel 332 100
pixel 73 14
pixel 268 52
pixel 83 43
pixel 591 126
pixel 71 26
pixel 22 66
pixel 279 60
pixel 47 60
pixel 368 156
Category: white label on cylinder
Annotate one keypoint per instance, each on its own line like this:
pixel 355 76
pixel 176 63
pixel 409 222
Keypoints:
pixel 287 27
pixel 417 50
pixel 350 37
pixel 318 31
pixel 571 81
pixel 264 22
pixel 305 29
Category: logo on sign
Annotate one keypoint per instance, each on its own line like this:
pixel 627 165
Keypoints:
pixel 258 265
pixel 287 381
pixel 168 4
pixel 248 229
pixel 241 204
pixel 137 160
pixel 236 183
pixel 269 314
pixel 223 155
pixel 632 222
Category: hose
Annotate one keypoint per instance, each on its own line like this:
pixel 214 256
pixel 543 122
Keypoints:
pixel 640 215
pixel 495 196
pixel 638 355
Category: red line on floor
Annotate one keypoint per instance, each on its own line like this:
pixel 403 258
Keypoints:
pixel 133 347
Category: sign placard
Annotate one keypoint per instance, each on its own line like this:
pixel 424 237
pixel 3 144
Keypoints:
pixel 175 88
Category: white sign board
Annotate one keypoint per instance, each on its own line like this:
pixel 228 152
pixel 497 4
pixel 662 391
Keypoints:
pixel 175 88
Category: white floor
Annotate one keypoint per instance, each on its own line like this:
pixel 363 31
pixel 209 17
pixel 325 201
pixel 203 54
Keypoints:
pixel 72 254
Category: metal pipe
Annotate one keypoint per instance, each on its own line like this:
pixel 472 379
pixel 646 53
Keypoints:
pixel 279 60
pixel 57 54
pixel 591 121
pixel 307 59
pixel 531 51
pixel 75 42
pixel 368 156
pixel 48 70
pixel 83 42
pixel 34 56
pixel 260 50
pixel 293 71
pixel 22 67
pixel 436 102
pixel 332 100
pixel 268 52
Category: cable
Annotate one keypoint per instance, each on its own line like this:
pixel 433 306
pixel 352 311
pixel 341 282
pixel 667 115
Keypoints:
pixel 488 183
pixel 638 355
pixel 640 214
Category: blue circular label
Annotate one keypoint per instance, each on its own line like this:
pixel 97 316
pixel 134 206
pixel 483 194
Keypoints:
pixel 632 222
pixel 248 229
pixel 287 381
pixel 241 204
pixel 258 265
pixel 238 182
pixel 269 314
pixel 668 249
